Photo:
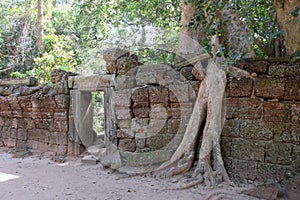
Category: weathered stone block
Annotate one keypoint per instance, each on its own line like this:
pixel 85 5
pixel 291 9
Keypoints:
pixel 259 67
pixel 159 111
pixel 140 143
pixel 256 130
pixel 14 123
pixel 173 126
pixel 232 108
pixel 125 133
pixel 278 172
pixel 251 150
pixel 269 88
pixel 140 95
pixel 296 156
pixel 284 69
pixel 44 123
pixel 123 112
pixel 244 169
pixel 158 141
pixel 57 138
pixel 22 134
pixel 250 109
pixel 50 102
pixel 29 123
pixel 187 73
pixel 181 91
pixel 285 132
pixel 180 110
pixel 25 103
pixel 9 142
pixel 276 112
pixel 139 127
pixel 141 109
pixel 40 135
pixel 62 101
pixel 231 128
pixel 295 113
pixel 241 87
pixel 125 82
pixel 158 94
pixel 127 145
pixel 121 98
pixel 278 153
pixel 226 144
pixel 124 123
pixel 126 63
pixel 60 125
pixel 13 133
pixel 157 126
pixel 292 90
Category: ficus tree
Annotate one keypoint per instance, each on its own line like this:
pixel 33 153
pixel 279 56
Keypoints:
pixel 217 25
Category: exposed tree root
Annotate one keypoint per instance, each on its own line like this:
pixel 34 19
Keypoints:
pixel 209 110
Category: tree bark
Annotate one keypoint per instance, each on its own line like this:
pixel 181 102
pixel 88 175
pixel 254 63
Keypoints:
pixel 40 25
pixel 208 114
pixel 289 24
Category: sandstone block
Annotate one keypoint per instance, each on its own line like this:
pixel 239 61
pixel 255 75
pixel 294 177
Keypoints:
pixel 278 172
pixel 241 87
pixel 159 111
pixel 259 67
pixel 232 108
pixel 295 113
pixel 244 169
pixel 278 153
pixel 124 133
pixel 158 94
pixel 125 82
pixel 226 144
pixel 89 159
pixel 157 126
pixel 250 109
pixel 173 126
pixel 123 112
pixel 276 112
pixel 269 88
pixel 22 134
pixel 284 69
pixel 251 150
pixel 141 109
pixel 121 98
pixel 256 130
pixel 158 141
pixel 231 128
pixel 127 145
pixel 140 95
pixel 292 90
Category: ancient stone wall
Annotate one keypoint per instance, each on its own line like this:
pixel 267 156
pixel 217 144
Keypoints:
pixel 261 137
pixel 147 109
pixel 35 117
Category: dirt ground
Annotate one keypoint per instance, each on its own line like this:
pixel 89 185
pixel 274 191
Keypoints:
pixel 38 177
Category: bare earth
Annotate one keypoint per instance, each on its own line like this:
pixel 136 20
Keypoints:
pixel 37 177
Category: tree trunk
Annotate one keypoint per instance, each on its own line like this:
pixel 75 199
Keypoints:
pixel 288 23
pixel 40 25
pixel 208 115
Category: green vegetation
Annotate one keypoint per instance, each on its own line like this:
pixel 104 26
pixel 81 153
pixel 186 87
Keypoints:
pixel 75 31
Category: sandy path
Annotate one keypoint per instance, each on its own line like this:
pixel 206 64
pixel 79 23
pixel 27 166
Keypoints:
pixel 41 178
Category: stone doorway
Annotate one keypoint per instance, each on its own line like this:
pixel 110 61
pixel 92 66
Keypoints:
pixel 88 110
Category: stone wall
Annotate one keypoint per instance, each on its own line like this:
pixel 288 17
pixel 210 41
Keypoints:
pixel 147 108
pixel 261 137
pixel 35 117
